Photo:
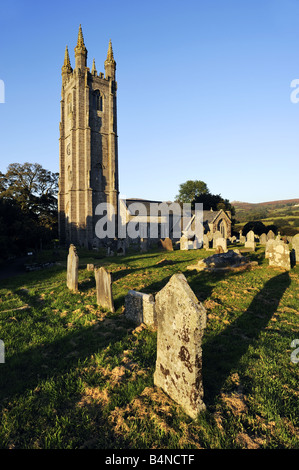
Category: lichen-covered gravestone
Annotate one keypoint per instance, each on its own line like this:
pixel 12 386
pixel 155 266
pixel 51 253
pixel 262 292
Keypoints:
pixel 140 308
pixel 72 269
pixel 279 255
pixel 104 289
pixel 181 320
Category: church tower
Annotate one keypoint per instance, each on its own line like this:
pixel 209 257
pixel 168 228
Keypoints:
pixel 88 147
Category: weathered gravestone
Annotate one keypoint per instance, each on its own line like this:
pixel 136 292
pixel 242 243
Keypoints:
pixel 72 269
pixel 140 308
pixel 263 239
pixel 242 238
pixel 279 255
pixel 104 289
pixel 166 244
pixel 181 320
pixel 268 247
pixel 270 235
pixel 206 242
pixel 295 246
pixel 184 243
pixel 221 242
pixel 90 267
pixel 216 235
pixel 250 240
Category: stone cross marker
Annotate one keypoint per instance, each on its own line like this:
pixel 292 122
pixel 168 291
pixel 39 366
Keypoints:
pixel 104 289
pixel 181 320
pixel 72 269
pixel 140 308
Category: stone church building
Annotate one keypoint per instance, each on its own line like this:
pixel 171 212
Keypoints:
pixel 88 151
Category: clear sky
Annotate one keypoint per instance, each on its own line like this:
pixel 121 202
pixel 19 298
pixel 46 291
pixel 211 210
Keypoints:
pixel 203 90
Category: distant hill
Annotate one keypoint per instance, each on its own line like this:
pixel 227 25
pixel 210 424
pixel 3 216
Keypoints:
pixel 284 214
pixel 259 205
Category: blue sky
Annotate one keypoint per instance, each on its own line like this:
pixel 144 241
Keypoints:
pixel 203 90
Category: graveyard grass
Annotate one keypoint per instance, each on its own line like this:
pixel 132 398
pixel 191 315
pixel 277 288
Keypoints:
pixel 76 376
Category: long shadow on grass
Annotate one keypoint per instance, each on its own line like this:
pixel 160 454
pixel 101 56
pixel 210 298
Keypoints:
pixel 222 353
pixel 24 370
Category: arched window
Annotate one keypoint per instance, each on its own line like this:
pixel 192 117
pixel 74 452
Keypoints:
pixel 99 101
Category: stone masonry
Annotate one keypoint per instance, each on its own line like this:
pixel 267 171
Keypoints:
pixel 88 146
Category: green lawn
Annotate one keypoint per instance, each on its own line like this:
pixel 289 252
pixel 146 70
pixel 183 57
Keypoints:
pixel 78 377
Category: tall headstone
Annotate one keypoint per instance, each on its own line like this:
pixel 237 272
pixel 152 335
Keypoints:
pixel 181 320
pixel 104 289
pixel 250 237
pixel 140 308
pixel 72 269
pixel 295 246
pixel 250 240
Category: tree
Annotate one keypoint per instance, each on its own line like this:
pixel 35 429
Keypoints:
pixel 190 190
pixel 28 207
pixel 30 186
pixel 256 226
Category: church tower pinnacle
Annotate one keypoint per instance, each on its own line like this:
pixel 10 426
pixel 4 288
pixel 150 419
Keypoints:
pixel 80 51
pixel 110 64
pixel 66 68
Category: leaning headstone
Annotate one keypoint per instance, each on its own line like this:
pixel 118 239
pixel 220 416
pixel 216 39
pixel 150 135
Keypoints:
pixel 104 289
pixel 140 308
pixel 295 246
pixel 263 239
pixel 166 244
pixel 72 269
pixel 181 320
pixel 279 255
